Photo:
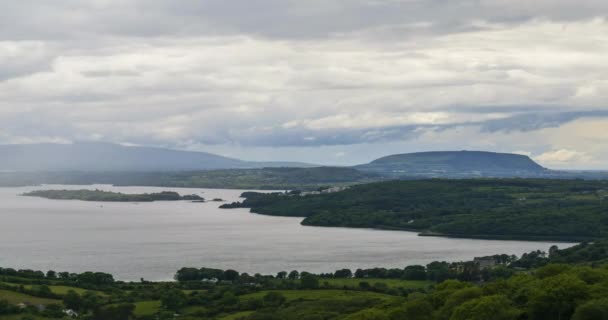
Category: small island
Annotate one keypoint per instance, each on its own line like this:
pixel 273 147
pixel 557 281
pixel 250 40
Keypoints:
pixel 108 196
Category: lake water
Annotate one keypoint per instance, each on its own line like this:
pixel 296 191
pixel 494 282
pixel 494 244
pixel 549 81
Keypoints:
pixel 153 240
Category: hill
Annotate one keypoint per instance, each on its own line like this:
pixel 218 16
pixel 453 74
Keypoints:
pixel 282 178
pixel 112 157
pixel 525 209
pixel 455 164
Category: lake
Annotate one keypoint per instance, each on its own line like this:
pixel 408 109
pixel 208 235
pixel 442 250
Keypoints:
pixel 153 240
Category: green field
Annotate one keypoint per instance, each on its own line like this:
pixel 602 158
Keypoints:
pixel 61 290
pixel 145 308
pixel 16 297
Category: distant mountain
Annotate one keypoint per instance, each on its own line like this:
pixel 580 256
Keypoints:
pixel 112 157
pixel 451 164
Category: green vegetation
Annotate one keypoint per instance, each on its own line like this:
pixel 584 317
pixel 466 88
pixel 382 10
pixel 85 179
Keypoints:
pixel 16 297
pixel 569 284
pixel 107 196
pixel 259 179
pixel 480 208
pixel 147 308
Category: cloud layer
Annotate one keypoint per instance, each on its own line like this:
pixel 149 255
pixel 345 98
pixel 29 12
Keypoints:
pixel 333 81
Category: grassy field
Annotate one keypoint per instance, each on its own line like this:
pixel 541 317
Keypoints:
pixel 16 297
pixel 145 308
pixel 61 290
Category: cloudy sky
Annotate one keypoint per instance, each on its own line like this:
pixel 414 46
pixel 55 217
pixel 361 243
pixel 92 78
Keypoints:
pixel 324 81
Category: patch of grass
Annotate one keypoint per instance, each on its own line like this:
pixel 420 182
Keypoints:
pixel 146 308
pixel 61 290
pixel 17 297
pixel 192 310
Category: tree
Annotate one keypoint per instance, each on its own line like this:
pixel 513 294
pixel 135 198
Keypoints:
pixel 230 275
pixel 282 275
pixel 364 285
pixel 209 273
pixel 53 310
pixel 90 301
pixel 556 297
pixel 414 273
pixel 418 309
pixel 293 275
pixel 72 300
pixel 229 299
pixel 438 271
pixel 43 291
pixel 458 298
pixel 6 307
pixel 51 274
pixel 173 299
pixel 344 273
pixel 274 299
pixel 592 310
pixel 495 307
pixel 246 278
pixel 187 274
pixel 115 312
pixel 95 278
pixel 309 281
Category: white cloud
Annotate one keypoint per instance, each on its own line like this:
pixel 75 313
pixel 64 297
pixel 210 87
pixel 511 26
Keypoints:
pixel 562 157
pixel 245 74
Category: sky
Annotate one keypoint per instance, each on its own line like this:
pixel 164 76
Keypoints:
pixel 333 82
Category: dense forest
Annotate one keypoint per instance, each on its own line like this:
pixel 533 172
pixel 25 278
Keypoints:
pixel 107 196
pixel 482 208
pixel 258 179
pixel 562 284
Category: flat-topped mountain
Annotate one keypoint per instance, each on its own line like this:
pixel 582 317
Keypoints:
pixel 87 156
pixel 454 163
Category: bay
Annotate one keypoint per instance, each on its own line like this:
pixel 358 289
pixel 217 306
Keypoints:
pixel 153 240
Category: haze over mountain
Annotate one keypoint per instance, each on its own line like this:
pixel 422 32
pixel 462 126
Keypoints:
pixel 102 163
pixel 87 156
pixel 455 164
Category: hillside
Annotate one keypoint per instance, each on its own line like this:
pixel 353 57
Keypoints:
pixel 455 164
pixel 112 157
pixel 263 178
pixel 474 208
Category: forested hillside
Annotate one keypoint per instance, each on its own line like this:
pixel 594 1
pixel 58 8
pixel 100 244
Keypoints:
pixel 486 208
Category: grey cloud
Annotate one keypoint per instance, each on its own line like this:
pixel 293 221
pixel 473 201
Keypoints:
pixel 283 73
pixel 536 121
pixel 304 137
pixel 289 19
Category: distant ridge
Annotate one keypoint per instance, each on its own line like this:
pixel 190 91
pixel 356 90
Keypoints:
pixel 94 156
pixel 455 164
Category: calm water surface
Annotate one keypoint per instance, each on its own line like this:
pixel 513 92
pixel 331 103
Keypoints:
pixel 153 240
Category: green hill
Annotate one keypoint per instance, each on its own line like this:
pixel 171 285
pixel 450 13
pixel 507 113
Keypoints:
pixel 535 209
pixel 455 164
